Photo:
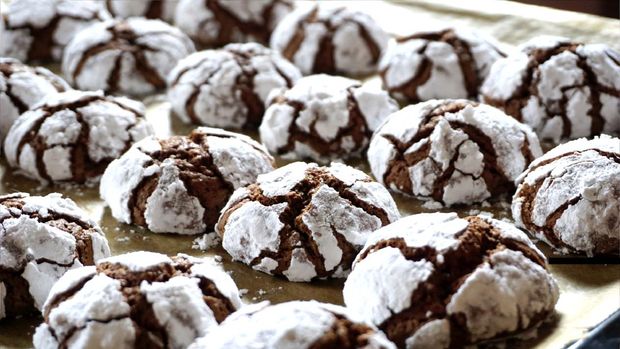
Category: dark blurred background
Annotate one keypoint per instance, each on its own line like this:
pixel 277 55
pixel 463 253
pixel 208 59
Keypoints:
pixel 607 8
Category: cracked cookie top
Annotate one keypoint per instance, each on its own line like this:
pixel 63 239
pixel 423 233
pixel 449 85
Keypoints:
pixel 42 237
pixel 448 63
pixel 125 56
pixel 451 151
pixel 439 281
pixel 324 118
pixel 137 300
pixel 322 39
pixel 151 9
pixel 228 87
pixel 562 89
pixel 213 23
pixel 297 324
pixel 21 87
pixel 569 197
pixel 72 136
pixel 39 30
pixel 180 184
pixel 304 222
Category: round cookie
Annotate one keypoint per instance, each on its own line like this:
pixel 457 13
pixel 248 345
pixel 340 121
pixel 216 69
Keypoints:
pixel 180 184
pixel 304 222
pixel 41 238
pixel 213 23
pixel 451 151
pixel 439 281
pixel 21 87
pixel 448 63
pixel 152 9
pixel 39 30
pixel 338 41
pixel 324 118
pixel 125 56
pixel 136 300
pixel 569 197
pixel 72 136
pixel 228 87
pixel 296 324
pixel 562 89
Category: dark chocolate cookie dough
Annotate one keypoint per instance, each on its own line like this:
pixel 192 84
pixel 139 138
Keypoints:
pixel 439 281
pixel 41 237
pixel 561 88
pixel 72 136
pixel 304 222
pixel 228 87
pixel 137 300
pixel 180 184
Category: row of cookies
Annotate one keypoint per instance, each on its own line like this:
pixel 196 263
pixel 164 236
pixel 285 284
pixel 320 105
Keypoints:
pixel 442 264
pixel 139 299
pixel 451 152
pixel 562 89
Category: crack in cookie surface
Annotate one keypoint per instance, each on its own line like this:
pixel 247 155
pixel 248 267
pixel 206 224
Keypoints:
pixel 415 164
pixel 449 269
pixel 39 233
pixel 560 197
pixel 472 67
pixel 581 87
pixel 79 166
pixel 135 284
pixel 299 239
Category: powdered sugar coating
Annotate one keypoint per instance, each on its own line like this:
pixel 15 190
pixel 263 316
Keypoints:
pixel 291 325
pixel 228 87
pixel 21 87
pixel 324 118
pixel 163 9
pixel 338 207
pixel 36 248
pixel 51 24
pixel 340 40
pixel 96 307
pixel 562 89
pixel 569 197
pixel 80 133
pixel 213 23
pixel 182 171
pixel 402 281
pixel 448 63
pixel 451 151
pixel 127 56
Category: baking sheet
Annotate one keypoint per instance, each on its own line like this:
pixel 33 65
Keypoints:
pixel 589 293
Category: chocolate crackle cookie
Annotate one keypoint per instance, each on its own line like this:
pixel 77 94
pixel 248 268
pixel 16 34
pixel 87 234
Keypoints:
pixel 212 23
pixel 152 9
pixel 72 136
pixel 569 197
pixel 303 221
pixel 324 118
pixel 129 56
pixel 439 281
pixel 180 184
pixel 228 87
pixel 40 29
pixel 330 40
pixel 562 89
pixel 451 151
pixel 136 300
pixel 297 324
pixel 21 87
pixel 448 63
pixel 41 238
